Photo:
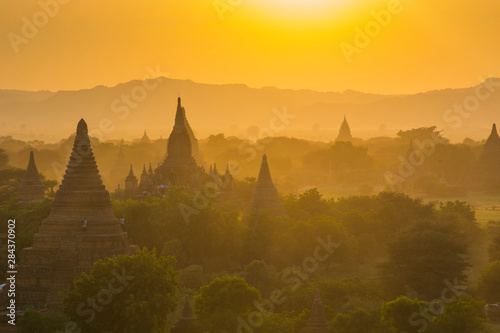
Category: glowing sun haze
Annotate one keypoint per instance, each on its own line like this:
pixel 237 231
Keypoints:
pixel 295 44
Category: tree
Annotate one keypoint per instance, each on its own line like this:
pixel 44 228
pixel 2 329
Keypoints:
pixel 422 259
pixel 464 315
pixel 222 302
pixel 257 275
pixel 49 185
pixel 399 312
pixel 124 294
pixel 360 321
pixel 489 282
pixel 33 321
pixel 422 133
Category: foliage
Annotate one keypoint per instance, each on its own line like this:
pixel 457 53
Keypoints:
pixel 399 312
pixel 489 282
pixel 257 275
pixel 421 133
pixel 464 315
pixel 33 321
pixel 422 258
pixel 124 294
pixel 10 179
pixel 222 302
pixel 360 321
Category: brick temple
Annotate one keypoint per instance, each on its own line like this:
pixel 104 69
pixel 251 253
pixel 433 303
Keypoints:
pixel 317 320
pixel 61 250
pixel 265 195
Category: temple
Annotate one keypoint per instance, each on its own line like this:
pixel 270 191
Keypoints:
pixel 61 250
pixel 179 167
pixel 265 195
pixel 317 320
pixel 145 138
pixel 31 188
pixel 489 161
pixel 185 324
pixel 344 132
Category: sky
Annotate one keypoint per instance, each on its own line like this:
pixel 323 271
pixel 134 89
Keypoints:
pixel 387 47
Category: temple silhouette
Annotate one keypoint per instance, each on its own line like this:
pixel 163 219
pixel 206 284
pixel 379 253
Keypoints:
pixel 265 195
pixel 179 168
pixel 61 251
pixel 31 188
pixel 317 322
pixel 344 132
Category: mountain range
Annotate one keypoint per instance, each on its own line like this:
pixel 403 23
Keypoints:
pixel 127 109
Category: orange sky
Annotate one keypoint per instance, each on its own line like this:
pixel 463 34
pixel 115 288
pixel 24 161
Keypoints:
pixel 427 44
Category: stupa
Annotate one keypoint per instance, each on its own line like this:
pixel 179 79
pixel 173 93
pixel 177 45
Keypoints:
pixel 31 188
pixel 61 249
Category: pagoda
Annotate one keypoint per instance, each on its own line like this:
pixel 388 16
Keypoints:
pixel 317 320
pixel 145 138
pixel 131 187
pixel 31 188
pixel 179 167
pixel 489 161
pixel 61 250
pixel 185 324
pixel 344 132
pixel 265 195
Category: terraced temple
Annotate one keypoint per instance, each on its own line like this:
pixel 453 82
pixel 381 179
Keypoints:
pixel 61 250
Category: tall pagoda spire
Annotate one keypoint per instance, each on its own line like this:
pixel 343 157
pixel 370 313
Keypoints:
pixel 317 320
pixel 31 188
pixel 344 132
pixel 265 195
pixel 179 143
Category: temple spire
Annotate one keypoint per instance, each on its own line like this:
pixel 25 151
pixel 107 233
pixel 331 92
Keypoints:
pixel 179 115
pixel 31 187
pixel 131 172
pixel 264 179
pixel 179 144
pixel 185 323
pixel 265 195
pixel 345 131
pixel 145 138
pixel 491 152
pixel 317 322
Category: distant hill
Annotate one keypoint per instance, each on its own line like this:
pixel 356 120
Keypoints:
pixel 233 108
